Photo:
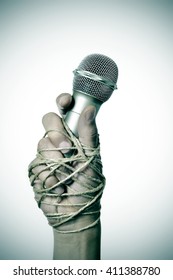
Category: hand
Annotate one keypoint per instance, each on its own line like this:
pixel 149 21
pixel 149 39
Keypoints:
pixel 64 185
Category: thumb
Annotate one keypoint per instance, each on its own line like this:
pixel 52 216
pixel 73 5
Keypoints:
pixel 87 129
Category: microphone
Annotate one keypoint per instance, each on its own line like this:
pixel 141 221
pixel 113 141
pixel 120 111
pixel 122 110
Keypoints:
pixel 94 81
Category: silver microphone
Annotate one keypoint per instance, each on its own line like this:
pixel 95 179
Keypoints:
pixel 94 81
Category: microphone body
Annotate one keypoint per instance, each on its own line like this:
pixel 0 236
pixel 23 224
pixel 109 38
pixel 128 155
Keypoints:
pixel 81 100
pixel 93 83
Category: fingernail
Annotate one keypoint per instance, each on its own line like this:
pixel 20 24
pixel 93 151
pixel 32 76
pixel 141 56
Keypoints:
pixel 65 146
pixel 90 114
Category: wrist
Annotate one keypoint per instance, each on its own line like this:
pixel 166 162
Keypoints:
pixel 81 245
pixel 79 223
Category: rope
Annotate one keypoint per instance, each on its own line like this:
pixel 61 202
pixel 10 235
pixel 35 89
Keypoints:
pixel 92 186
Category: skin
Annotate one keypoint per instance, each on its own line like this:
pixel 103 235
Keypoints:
pixel 79 245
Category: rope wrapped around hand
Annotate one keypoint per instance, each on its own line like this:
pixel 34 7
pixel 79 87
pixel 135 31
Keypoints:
pixel 70 170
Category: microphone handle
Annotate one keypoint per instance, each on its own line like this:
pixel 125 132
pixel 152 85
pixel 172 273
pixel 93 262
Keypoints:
pixel 80 100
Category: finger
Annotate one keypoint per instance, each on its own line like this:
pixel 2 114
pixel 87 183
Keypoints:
pixel 44 171
pixel 48 150
pixel 64 102
pixel 87 129
pixel 56 132
pixel 48 204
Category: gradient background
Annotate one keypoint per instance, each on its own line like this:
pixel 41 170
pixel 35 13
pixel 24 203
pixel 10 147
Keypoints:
pixel 41 43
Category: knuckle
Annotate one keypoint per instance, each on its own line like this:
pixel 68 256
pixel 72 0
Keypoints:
pixel 42 144
pixel 51 181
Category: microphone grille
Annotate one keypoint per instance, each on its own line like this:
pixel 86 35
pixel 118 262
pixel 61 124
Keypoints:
pixel 97 76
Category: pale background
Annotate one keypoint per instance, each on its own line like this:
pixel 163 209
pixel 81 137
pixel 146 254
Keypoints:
pixel 41 43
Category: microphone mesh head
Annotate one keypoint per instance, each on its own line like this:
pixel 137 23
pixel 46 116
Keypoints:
pixel 102 66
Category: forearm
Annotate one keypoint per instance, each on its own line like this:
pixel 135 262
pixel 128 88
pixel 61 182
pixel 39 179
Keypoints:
pixel 84 245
